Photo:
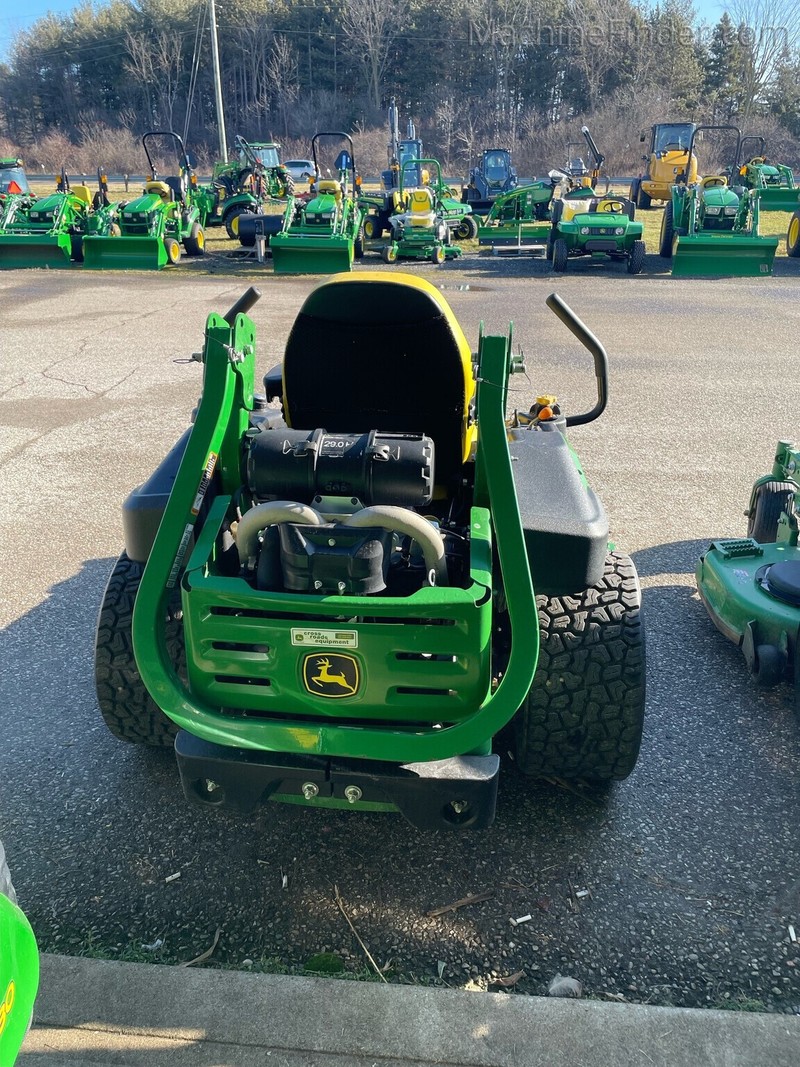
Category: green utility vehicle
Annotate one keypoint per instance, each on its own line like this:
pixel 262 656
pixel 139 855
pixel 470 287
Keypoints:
pixel 751 585
pixel 774 182
pixel 419 230
pixel 601 227
pixel 711 227
pixel 19 970
pixel 323 234
pixel 335 608
pixel 242 185
pixel 152 227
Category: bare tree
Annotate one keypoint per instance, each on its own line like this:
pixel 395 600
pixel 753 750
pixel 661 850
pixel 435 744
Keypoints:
pixel 371 27
pixel 156 64
pixel 767 30
pixel 281 70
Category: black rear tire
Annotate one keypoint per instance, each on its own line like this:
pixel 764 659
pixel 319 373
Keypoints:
pixel 127 708
pixel 667 232
pixel 642 199
pixel 584 715
pixel 195 242
pixel 636 258
pixel 771 499
pixel 467 229
pixel 560 255
pixel 358 244
pixel 793 236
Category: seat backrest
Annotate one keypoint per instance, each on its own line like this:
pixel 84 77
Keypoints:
pixel 161 188
pixel 382 352
pixel 572 208
pixel 713 181
pixel 83 193
pixel 421 201
pixel 177 187
pixel 331 187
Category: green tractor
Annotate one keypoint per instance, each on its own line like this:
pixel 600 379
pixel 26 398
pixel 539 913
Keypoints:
pixel 419 230
pixel 711 228
pixel 48 231
pixel 324 233
pixel 152 227
pixel 346 617
pixel 600 227
pixel 242 185
pixel 520 219
pixel 774 182
pixel 19 970
pixel 751 585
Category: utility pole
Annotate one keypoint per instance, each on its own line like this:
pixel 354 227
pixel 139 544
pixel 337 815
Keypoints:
pixel 223 147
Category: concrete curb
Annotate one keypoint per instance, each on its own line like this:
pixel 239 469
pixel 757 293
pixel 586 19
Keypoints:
pixel 100 1012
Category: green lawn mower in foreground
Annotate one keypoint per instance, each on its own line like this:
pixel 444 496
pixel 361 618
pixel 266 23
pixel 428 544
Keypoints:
pixel 19 970
pixel 335 608
pixel 322 234
pixel 751 586
pixel 419 230
pixel 602 227
pixel 152 227
pixel 710 228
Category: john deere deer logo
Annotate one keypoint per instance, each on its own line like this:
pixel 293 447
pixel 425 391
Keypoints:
pixel 332 675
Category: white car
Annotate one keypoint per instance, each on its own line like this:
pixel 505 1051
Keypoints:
pixel 301 169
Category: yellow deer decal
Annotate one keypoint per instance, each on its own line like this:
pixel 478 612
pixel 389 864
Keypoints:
pixel 324 676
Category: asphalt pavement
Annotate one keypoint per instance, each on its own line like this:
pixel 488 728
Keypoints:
pixel 679 888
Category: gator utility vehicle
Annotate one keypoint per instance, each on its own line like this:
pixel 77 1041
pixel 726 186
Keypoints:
pixel 336 608
pixel 420 230
pixel 493 177
pixel 242 185
pixel 603 228
pixel 323 234
pixel 153 226
pixel 669 156
pixel 711 228
pixel 751 585
pixel 774 182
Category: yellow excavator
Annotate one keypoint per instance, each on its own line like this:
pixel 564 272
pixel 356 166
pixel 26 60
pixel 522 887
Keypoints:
pixel 668 157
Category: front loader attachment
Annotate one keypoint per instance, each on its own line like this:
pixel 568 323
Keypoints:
pixel 300 254
pixel 779 198
pixel 124 253
pixel 35 250
pixel 732 255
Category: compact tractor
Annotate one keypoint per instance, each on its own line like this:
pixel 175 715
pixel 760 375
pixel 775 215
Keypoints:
pixel 493 177
pixel 243 185
pixel 774 182
pixel 419 230
pixel 711 228
pixel 751 585
pixel 669 157
pixel 152 227
pixel 322 234
pixel 341 605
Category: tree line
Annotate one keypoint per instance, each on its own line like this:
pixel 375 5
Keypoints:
pixel 520 73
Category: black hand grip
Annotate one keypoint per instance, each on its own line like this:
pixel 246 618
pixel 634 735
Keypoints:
pixel 591 343
pixel 248 298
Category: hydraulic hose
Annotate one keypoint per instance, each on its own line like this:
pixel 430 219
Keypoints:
pixel 263 515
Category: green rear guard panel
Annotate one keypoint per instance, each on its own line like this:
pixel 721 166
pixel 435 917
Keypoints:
pixel 19 978
pixel 124 253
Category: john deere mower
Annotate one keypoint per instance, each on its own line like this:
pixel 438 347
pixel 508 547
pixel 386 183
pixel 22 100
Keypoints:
pixel 153 226
pixel 419 231
pixel 521 218
pixel 774 182
pixel 243 185
pixel 322 234
pixel 19 970
pixel 751 585
pixel 711 228
pixel 669 156
pixel 603 228
pixel 335 608
pixel 493 177
pixel 46 231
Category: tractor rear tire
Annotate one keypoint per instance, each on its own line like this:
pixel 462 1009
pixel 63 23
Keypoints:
pixel 667 232
pixel 127 708
pixel 793 236
pixel 195 243
pixel 231 223
pixel 771 499
pixel 358 244
pixel 584 715
pixel 636 258
pixel 634 190
pixel 467 229
pixel 642 199
pixel 372 228
pixel 560 255
pixel 173 249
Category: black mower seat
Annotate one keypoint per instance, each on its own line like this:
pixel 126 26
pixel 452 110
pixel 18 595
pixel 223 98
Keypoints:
pixel 382 352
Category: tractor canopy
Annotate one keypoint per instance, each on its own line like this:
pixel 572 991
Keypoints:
pixel 13 178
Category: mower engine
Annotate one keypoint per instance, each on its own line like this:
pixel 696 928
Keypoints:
pixel 340 514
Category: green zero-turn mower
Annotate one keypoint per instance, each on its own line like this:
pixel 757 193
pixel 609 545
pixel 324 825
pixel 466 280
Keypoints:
pixel 152 227
pixel 711 227
pixel 775 182
pixel 244 184
pixel 336 607
pixel 751 585
pixel 322 234
pixel 418 230
pixel 602 227
pixel 48 231
pixel 19 970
